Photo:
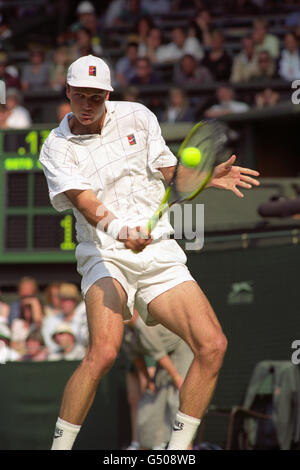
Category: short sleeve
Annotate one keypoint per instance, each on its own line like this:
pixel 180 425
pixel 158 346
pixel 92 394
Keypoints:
pixel 159 155
pixel 62 172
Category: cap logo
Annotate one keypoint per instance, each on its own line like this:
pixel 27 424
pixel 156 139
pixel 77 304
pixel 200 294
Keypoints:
pixel 92 70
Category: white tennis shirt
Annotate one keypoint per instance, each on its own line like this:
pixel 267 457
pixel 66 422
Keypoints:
pixel 120 166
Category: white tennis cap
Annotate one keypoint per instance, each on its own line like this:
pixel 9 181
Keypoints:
pixel 85 7
pixel 90 72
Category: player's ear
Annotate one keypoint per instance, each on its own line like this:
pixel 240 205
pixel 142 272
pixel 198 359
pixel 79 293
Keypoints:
pixel 108 95
pixel 68 90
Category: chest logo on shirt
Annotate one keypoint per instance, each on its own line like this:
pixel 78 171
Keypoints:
pixel 131 139
pixel 92 70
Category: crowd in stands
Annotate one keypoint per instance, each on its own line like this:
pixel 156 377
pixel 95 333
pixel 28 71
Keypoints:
pixel 145 47
pixel 32 330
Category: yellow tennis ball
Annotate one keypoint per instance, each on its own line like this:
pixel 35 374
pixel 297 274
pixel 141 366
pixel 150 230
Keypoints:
pixel 191 157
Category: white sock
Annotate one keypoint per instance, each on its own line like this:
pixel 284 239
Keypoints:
pixel 184 430
pixel 64 435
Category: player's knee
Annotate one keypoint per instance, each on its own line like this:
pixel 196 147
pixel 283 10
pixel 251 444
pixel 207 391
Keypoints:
pixel 99 360
pixel 212 351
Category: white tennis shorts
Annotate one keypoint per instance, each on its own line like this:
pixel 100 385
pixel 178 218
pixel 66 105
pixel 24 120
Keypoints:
pixel 143 276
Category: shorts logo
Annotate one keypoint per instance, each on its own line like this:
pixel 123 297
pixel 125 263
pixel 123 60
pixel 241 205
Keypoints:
pixel 131 139
pixel 92 70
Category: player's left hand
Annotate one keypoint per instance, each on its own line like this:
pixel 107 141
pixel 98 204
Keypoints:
pixel 227 176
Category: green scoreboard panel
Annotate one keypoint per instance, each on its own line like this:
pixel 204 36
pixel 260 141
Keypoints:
pixel 31 230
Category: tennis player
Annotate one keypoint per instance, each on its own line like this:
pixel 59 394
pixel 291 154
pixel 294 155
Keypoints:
pixel 106 161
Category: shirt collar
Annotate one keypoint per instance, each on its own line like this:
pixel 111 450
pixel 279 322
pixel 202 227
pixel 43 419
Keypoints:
pixel 65 128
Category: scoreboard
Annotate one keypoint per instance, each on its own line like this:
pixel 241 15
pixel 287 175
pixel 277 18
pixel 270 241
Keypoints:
pixel 31 230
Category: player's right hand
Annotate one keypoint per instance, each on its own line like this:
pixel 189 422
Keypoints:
pixel 135 239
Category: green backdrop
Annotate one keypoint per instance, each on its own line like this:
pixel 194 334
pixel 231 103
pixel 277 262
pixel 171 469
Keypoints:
pixel 255 294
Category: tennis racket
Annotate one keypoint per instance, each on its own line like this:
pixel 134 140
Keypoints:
pixel 187 182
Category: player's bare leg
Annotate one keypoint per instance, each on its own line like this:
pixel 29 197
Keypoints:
pixel 186 311
pixel 105 303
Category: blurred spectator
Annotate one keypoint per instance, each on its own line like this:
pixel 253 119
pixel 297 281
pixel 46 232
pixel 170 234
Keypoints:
pixel 178 109
pixel 63 109
pixel 83 10
pixel 87 18
pixel 126 66
pixel 36 74
pixel 5 30
pixel 245 64
pixel 190 73
pixel 83 45
pixel 131 94
pixel 7 354
pixel 152 419
pixel 144 74
pixel 266 67
pixel 6 75
pixel 27 288
pixel 31 319
pixel 112 12
pixel 4 309
pixel 226 104
pixel 18 116
pixel 263 40
pixel 267 98
pixel 217 60
pixel 201 27
pixel 3 116
pixel 129 11
pixel 58 69
pixel 35 347
pixel 244 7
pixel 293 19
pixel 141 32
pixel 29 9
pixel 180 45
pixel 153 49
pixel 156 7
pixel 289 64
pixel 64 337
pixel 52 299
pixel 72 312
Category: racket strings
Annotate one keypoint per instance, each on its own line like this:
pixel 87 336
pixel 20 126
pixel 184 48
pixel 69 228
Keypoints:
pixel 187 180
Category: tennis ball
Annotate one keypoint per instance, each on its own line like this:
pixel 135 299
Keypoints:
pixel 191 157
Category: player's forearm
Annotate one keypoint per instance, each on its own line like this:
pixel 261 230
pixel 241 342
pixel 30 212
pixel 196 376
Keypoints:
pixel 93 210
pixel 97 215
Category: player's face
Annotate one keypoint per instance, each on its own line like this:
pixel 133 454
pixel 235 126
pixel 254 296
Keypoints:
pixel 88 104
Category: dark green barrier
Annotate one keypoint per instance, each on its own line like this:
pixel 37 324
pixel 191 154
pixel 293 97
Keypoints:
pixel 30 395
pixel 255 294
